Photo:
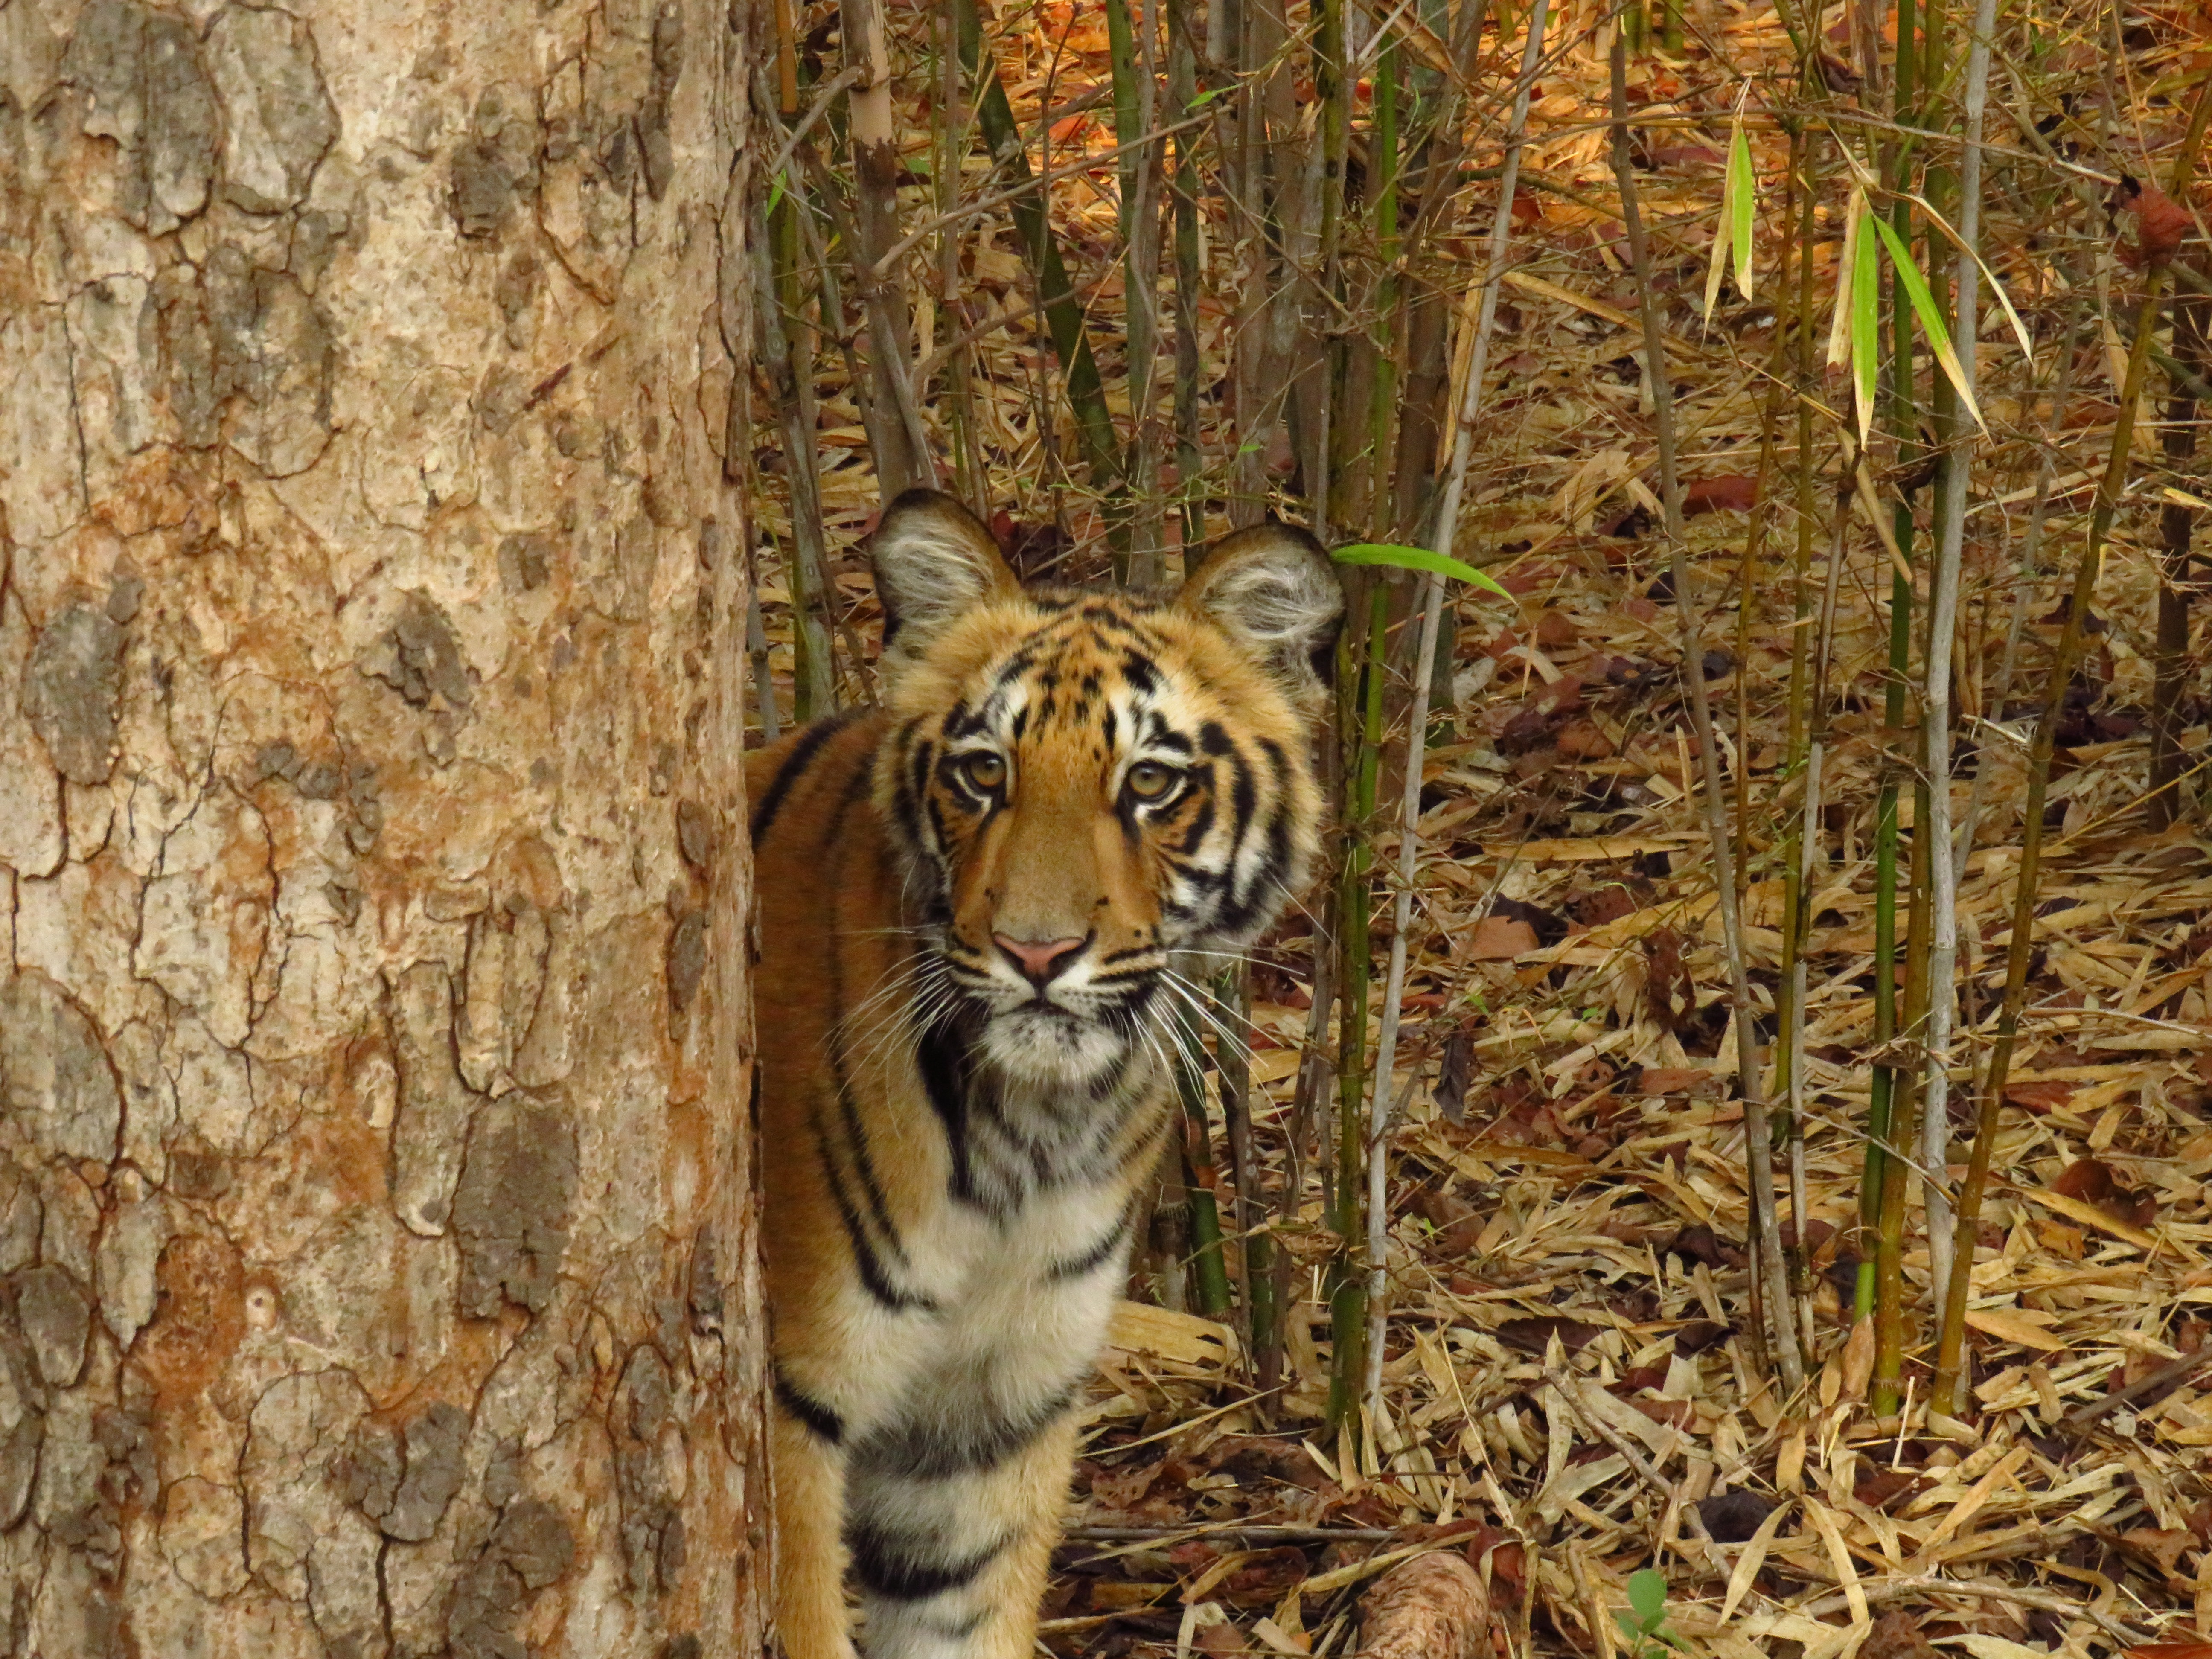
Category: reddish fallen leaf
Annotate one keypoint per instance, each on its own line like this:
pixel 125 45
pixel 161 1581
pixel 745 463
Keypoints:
pixel 2162 1546
pixel 1555 628
pixel 1887 1486
pixel 1674 1413
pixel 1583 739
pixel 1500 939
pixel 1535 1335
pixel 2039 1097
pixel 1667 988
pixel 1672 1080
pixel 2093 1181
pixel 1701 1243
pixel 1509 1569
pixel 1731 492
pixel 1686 155
pixel 2160 225
pixel 2171 1651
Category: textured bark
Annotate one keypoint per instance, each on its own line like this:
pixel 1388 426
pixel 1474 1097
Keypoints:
pixel 376 1232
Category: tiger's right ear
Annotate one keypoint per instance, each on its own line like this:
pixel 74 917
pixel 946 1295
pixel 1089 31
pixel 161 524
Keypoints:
pixel 935 561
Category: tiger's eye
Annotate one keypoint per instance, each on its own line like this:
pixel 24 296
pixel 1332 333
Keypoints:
pixel 1149 780
pixel 987 772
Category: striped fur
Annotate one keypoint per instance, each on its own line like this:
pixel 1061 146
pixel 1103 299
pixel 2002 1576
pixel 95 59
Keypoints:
pixel 974 907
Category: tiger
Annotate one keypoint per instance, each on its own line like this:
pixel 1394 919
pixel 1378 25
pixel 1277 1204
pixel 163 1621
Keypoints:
pixel 978 909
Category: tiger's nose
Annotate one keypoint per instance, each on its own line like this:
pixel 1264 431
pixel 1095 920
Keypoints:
pixel 1039 959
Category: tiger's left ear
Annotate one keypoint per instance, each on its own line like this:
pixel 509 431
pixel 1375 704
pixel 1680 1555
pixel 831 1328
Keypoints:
pixel 1273 590
pixel 934 562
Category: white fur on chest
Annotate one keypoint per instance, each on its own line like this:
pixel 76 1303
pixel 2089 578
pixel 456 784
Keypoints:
pixel 1006 1334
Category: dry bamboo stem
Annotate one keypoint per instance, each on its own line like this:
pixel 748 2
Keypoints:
pixel 1950 1351
pixel 1409 806
pixel 1758 1139
pixel 1935 697
pixel 903 460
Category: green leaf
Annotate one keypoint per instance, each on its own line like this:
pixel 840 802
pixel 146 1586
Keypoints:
pixel 1866 321
pixel 1629 1627
pixel 1742 194
pixel 1647 1594
pixel 1931 319
pixel 1416 558
pixel 775 194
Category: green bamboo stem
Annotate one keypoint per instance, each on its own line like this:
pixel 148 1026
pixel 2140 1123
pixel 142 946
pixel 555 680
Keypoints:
pixel 1951 1345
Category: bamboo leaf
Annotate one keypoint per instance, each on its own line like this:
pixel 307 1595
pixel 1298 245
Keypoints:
pixel 1716 270
pixel 1866 321
pixel 1416 558
pixel 2019 328
pixel 1741 194
pixel 1931 318
pixel 1840 326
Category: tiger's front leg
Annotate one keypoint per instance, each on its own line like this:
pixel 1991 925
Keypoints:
pixel 952 1565
pixel 810 1577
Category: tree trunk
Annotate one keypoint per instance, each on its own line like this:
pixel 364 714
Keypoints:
pixel 376 1229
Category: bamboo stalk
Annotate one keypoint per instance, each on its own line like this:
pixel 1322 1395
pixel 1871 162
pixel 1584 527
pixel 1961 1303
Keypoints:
pixel 1942 622
pixel 1950 1349
pixel 788 365
pixel 1131 60
pixel 1891 1099
pixel 1183 87
pixel 949 134
pixel 1757 1129
pixel 903 460
pixel 1409 803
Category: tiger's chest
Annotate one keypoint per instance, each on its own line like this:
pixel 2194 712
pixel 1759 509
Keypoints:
pixel 1016 1310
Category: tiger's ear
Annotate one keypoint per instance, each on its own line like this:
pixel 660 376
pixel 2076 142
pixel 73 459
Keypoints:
pixel 1273 589
pixel 935 561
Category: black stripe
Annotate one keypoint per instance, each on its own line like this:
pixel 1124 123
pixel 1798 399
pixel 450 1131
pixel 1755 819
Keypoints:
pixel 885 1568
pixel 801 758
pixel 1243 797
pixel 1092 1259
pixel 939 1451
pixel 856 1132
pixel 872 1276
pixel 939 1058
pixel 825 1424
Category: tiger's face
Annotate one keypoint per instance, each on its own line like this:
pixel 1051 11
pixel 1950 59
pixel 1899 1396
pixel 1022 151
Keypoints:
pixel 1090 787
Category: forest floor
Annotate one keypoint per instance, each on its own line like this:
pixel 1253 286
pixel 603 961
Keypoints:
pixel 1568 1268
